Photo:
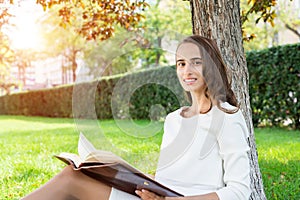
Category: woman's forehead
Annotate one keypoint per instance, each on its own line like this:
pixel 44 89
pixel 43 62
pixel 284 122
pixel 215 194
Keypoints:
pixel 188 51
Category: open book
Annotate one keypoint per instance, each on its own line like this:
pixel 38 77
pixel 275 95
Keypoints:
pixel 112 170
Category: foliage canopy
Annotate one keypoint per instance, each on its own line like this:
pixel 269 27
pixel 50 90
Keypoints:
pixel 99 16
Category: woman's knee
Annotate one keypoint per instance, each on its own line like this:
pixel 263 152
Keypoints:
pixel 68 175
pixel 75 180
pixel 66 172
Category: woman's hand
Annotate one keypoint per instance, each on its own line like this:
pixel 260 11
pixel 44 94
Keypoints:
pixel 147 195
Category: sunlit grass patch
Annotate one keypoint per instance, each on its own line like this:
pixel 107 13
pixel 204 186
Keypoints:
pixel 279 160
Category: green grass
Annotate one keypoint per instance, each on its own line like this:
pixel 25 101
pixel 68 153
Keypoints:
pixel 279 160
pixel 28 144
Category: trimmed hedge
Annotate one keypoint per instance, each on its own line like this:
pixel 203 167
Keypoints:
pixel 49 102
pixel 148 94
pixel 274 85
pixel 130 96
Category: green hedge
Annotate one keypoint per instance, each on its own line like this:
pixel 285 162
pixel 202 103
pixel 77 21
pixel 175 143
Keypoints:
pixel 50 102
pixel 131 96
pixel 144 95
pixel 274 91
pixel 274 85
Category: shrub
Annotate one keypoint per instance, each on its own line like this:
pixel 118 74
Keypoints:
pixel 49 102
pixel 274 85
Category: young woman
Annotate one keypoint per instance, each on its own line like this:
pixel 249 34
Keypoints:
pixel 204 148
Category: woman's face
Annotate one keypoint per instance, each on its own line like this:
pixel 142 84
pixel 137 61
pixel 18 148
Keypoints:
pixel 189 67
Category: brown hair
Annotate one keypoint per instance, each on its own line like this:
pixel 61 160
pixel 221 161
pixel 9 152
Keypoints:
pixel 214 72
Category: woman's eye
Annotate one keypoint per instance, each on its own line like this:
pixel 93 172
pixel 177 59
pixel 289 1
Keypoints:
pixel 180 64
pixel 197 62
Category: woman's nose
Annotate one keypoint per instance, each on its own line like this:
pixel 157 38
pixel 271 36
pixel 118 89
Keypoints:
pixel 188 68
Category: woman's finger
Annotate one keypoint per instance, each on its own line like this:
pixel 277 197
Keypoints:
pixel 147 195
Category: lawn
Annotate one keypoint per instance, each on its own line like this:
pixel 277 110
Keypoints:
pixel 29 143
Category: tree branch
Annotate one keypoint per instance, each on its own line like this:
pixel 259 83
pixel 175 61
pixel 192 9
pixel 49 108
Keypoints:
pixel 293 30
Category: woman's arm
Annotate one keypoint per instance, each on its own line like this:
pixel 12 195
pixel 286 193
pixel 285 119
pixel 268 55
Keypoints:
pixel 233 151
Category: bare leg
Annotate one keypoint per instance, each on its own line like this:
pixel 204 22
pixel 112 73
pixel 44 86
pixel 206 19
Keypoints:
pixel 71 185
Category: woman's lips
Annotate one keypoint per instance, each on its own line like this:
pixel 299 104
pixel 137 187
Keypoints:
pixel 189 80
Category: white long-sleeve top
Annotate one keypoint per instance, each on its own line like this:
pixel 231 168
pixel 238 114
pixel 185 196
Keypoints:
pixel 206 153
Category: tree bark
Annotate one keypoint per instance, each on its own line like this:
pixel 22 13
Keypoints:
pixel 220 20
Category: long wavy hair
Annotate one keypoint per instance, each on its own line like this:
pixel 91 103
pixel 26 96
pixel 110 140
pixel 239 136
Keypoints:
pixel 214 72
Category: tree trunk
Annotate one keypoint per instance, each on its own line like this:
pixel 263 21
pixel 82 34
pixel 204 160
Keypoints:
pixel 220 20
pixel 74 64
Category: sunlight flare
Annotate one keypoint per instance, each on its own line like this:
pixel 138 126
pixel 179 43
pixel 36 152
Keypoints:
pixel 25 34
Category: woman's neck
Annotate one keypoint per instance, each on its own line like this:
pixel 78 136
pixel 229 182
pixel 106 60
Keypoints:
pixel 200 105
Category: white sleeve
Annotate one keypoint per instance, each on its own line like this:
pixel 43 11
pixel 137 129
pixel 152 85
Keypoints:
pixel 171 127
pixel 233 150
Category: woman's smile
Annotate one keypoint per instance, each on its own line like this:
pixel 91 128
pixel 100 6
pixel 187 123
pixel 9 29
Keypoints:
pixel 190 81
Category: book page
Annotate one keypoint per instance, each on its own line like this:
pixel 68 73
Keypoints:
pixel 85 147
pixel 88 153
pixel 70 158
pixel 103 157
